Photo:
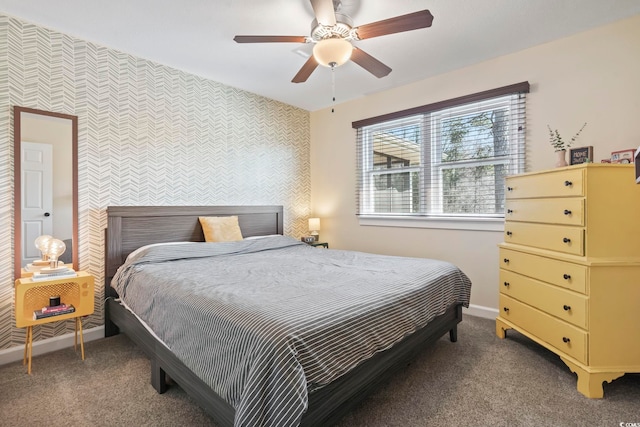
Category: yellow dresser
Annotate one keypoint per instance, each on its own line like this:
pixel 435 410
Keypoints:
pixel 570 268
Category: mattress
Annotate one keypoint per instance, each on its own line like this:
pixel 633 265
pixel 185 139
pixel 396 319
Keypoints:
pixel 265 322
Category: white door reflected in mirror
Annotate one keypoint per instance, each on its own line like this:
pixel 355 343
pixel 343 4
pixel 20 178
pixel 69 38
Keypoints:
pixel 37 197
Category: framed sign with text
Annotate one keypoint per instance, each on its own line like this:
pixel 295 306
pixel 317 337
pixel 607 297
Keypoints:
pixel 581 155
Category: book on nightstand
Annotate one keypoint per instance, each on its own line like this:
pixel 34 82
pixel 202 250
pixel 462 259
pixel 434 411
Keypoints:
pixel 57 310
pixel 59 273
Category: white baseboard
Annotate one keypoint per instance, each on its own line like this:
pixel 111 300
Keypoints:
pixel 481 311
pixel 14 354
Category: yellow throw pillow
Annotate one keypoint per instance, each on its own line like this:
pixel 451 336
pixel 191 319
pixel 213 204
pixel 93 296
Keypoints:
pixel 220 228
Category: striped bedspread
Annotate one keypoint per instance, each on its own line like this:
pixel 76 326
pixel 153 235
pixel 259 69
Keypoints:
pixel 266 321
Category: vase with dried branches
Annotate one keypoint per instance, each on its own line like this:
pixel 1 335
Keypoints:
pixel 560 145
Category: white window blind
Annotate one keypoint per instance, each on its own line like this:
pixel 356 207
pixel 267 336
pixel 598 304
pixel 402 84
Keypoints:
pixel 447 159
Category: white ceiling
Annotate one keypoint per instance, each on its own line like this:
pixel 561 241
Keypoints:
pixel 197 36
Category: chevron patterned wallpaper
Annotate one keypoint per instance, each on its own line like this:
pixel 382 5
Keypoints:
pixel 148 135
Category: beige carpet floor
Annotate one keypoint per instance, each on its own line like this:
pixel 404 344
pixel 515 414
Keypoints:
pixel 478 381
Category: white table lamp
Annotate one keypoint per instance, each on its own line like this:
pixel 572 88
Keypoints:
pixel 314 227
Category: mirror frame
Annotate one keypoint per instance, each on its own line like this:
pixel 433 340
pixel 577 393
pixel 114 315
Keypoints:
pixel 17 183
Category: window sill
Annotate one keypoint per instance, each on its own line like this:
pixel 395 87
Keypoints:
pixel 449 223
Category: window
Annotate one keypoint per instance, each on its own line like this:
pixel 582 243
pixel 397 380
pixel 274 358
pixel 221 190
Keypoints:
pixel 442 160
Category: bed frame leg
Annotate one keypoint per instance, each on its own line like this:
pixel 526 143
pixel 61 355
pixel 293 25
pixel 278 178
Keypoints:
pixel 453 334
pixel 110 328
pixel 158 377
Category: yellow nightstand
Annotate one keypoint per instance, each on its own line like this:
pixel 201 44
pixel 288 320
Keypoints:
pixel 34 295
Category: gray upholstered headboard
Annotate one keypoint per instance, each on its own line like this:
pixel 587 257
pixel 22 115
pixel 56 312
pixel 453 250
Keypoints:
pixel 130 227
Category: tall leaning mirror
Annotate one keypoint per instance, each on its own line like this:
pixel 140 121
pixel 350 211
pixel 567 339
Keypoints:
pixel 46 183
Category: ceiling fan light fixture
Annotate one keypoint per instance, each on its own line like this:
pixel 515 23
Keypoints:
pixel 332 52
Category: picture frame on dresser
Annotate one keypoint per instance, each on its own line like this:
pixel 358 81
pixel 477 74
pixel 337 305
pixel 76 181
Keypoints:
pixel 581 155
pixel 623 156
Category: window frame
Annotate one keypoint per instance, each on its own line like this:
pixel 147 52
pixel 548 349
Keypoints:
pixel 369 181
pixel 428 117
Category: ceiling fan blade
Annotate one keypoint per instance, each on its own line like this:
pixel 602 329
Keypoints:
pixel 305 71
pixel 399 24
pixel 324 11
pixel 369 63
pixel 270 39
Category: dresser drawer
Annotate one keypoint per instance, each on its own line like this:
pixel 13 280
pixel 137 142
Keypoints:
pixel 562 183
pixel 556 272
pixel 565 305
pixel 564 337
pixel 569 211
pixel 557 238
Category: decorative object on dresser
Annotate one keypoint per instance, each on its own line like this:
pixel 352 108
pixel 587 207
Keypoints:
pixel 569 270
pixel 73 298
pixel 581 155
pixel 623 156
pixel 560 145
pixel 561 158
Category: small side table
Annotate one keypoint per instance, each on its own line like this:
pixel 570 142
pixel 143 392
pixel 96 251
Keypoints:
pixel 34 295
pixel 316 244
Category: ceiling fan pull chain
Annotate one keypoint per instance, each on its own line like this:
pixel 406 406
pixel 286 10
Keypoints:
pixel 333 86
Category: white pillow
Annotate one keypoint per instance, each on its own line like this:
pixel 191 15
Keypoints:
pixel 261 237
pixel 142 248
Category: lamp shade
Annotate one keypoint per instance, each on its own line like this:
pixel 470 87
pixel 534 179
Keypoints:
pixel 314 224
pixel 332 52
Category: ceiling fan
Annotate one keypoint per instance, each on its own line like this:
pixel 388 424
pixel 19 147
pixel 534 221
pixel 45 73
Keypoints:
pixel 332 33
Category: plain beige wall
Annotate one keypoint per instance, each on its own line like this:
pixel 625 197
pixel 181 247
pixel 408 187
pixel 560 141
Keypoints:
pixel 591 77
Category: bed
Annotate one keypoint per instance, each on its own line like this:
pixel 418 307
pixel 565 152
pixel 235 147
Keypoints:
pixel 329 394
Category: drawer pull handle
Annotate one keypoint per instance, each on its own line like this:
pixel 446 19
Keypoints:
pixel 506 309
pixel 506 284
pixel 568 183
pixel 566 276
pixel 506 260
pixel 509 233
pixel 566 307
pixel 566 240
pixel 509 211
pixel 509 188
pixel 567 212
pixel 565 339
